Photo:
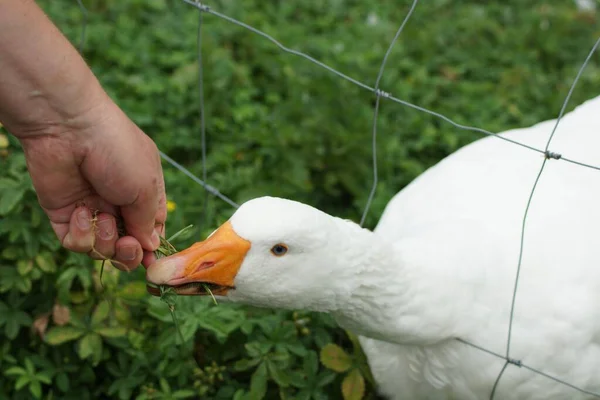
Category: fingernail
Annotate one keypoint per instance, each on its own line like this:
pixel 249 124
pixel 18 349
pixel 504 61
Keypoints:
pixel 155 240
pixel 67 240
pixel 120 266
pixel 127 253
pixel 83 220
pixel 106 229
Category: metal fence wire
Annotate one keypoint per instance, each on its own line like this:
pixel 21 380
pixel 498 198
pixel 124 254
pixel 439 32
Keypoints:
pixel 379 94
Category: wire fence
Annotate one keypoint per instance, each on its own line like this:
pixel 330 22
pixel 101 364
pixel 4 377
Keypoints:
pixel 380 94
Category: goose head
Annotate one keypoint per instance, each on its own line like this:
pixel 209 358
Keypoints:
pixel 272 252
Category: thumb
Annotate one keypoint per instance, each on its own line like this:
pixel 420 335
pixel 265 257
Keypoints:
pixel 139 217
pixel 145 218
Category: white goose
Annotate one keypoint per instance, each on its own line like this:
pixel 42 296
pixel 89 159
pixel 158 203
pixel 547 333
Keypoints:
pixel 440 265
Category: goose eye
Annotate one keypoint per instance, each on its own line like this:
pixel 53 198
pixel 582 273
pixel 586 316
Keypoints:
pixel 279 250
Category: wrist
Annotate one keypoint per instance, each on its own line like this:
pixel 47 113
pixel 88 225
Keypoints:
pixel 49 112
pixel 44 83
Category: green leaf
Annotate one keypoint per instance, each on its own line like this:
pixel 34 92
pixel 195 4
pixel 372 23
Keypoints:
pixel 44 377
pixel 168 296
pixel 188 328
pixel 157 309
pixel 298 379
pixel 360 357
pixel 11 328
pixel 183 394
pixel 10 198
pixel 164 386
pixel 112 331
pixel 257 349
pixel 220 320
pixel 7 184
pixel 22 318
pixel 326 378
pixel 36 217
pixel 322 337
pixel 24 267
pixel 45 262
pixel 10 253
pixel 15 371
pixel 65 279
pixel 36 389
pixel 62 382
pixel 258 383
pixel 280 357
pixel 90 346
pixel 61 334
pixel 3 313
pixel 278 374
pixel 297 348
pixel 100 313
pixel 335 358
pixel 245 364
pixel 353 385
pixel 22 382
pixel 134 290
pixel 77 322
pixel 304 395
pixel 24 285
pixel 29 367
pixel 311 363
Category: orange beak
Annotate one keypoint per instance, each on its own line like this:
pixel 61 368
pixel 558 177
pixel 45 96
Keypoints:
pixel 214 262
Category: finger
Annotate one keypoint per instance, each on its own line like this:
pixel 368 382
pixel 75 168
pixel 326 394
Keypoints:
pixel 106 237
pixel 148 259
pixel 160 218
pixel 160 229
pixel 60 219
pixel 128 254
pixel 141 216
pixel 139 220
pixel 80 237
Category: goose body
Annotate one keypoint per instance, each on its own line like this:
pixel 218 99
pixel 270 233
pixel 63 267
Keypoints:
pixel 440 266
pixel 461 221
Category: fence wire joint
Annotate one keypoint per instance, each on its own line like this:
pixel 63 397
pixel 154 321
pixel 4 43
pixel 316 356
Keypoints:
pixel 549 154
pixel 513 361
pixel 381 93
pixel 201 7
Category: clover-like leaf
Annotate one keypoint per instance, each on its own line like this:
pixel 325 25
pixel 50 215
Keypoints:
pixel 90 346
pixel 111 331
pixel 335 358
pixel 45 262
pixel 353 385
pixel 62 334
pixel 258 382
pixel 100 313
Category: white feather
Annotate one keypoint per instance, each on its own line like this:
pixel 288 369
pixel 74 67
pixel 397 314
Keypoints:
pixel 442 264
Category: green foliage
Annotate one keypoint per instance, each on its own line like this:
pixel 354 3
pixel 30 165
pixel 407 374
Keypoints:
pixel 354 365
pixel 276 125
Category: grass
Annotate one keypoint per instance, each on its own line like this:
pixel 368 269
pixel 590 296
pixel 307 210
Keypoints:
pixel 165 249
pixel 168 294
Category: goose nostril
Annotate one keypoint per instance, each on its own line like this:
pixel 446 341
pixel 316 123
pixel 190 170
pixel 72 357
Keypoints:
pixel 205 265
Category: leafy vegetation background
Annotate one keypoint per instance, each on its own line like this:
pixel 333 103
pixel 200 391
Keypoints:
pixel 276 125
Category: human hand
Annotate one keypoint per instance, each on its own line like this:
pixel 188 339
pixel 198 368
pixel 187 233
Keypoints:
pixel 89 163
pixel 97 168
